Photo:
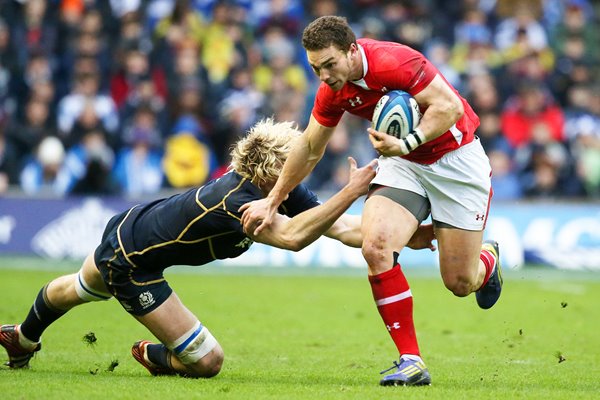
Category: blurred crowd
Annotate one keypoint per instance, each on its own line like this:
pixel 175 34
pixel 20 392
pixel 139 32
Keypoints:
pixel 129 97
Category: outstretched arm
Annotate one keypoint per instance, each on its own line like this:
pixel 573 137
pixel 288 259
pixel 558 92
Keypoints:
pixel 298 232
pixel 347 230
pixel 303 157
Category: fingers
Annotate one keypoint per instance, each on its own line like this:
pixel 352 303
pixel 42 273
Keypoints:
pixel 372 137
pixel 373 164
pixel 260 227
pixel 373 134
pixel 244 207
pixel 352 163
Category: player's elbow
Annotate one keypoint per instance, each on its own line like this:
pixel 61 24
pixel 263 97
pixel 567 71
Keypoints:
pixel 293 242
pixel 295 245
pixel 454 110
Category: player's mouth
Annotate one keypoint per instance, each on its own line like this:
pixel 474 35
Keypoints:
pixel 332 84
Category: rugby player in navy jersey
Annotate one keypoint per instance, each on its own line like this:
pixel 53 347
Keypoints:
pixel 193 228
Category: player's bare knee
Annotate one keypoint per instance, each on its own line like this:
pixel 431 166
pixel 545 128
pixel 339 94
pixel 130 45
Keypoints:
pixel 459 285
pixel 210 365
pixel 374 252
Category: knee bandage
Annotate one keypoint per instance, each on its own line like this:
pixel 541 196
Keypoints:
pixel 86 293
pixel 194 344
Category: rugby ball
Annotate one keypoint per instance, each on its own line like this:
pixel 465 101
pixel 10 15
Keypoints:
pixel 396 113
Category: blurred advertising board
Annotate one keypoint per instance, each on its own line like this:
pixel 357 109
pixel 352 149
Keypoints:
pixel 565 235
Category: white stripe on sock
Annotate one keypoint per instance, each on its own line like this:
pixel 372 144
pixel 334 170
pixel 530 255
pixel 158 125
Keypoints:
pixel 393 299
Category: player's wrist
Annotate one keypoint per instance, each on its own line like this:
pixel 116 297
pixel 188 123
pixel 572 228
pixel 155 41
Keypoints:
pixel 411 141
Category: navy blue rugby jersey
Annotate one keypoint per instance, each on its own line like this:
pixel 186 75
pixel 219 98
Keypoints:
pixel 197 226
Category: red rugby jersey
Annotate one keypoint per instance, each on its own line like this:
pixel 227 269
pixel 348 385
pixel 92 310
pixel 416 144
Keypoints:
pixel 389 66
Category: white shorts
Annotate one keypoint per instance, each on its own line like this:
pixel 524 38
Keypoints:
pixel 458 185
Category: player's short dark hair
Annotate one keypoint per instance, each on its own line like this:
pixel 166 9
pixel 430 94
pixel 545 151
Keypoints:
pixel 326 31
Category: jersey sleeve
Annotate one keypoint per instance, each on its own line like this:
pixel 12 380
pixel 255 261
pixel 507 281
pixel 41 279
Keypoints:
pixel 323 110
pixel 300 199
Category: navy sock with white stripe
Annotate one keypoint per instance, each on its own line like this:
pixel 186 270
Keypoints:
pixel 41 315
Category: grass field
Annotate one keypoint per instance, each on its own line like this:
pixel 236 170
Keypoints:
pixel 300 336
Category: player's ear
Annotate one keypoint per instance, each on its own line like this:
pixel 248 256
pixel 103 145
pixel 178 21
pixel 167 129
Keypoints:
pixel 353 49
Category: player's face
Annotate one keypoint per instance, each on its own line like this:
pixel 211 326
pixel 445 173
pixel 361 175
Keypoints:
pixel 332 65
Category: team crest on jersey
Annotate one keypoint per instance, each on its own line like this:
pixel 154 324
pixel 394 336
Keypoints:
pixel 146 299
pixel 356 101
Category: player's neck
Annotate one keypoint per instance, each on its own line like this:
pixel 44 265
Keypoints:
pixel 357 68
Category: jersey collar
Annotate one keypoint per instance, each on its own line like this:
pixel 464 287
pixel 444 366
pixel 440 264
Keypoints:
pixel 361 82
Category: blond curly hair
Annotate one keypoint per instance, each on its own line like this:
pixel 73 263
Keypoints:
pixel 260 155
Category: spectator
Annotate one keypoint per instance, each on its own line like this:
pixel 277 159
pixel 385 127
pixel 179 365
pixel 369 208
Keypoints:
pixel 529 108
pixel 86 94
pixel 218 50
pixel 33 31
pixel 183 23
pixel 278 53
pixel 490 133
pixel 545 166
pixel 582 127
pixel 37 71
pixel 575 23
pixel 9 164
pixel 285 15
pixel 134 69
pixel 138 169
pixel 505 180
pixel 45 173
pixel 189 159
pixel 88 165
pixel 521 28
pixel 8 70
pixel 25 135
pixel 145 96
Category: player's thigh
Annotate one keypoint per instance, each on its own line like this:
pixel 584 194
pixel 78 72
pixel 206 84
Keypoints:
pixel 458 187
pixel 458 253
pixel 169 321
pixel 91 276
pixel 386 227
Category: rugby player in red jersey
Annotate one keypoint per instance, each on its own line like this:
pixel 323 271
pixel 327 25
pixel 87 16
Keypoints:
pixel 439 168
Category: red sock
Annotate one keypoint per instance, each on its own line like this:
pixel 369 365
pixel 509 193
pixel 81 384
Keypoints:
pixel 490 262
pixel 395 304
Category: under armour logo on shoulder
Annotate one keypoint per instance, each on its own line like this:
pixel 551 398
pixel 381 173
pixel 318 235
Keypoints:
pixel 355 102
pixel 479 217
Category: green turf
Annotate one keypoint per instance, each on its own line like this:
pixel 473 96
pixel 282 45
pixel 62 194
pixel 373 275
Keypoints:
pixel 320 337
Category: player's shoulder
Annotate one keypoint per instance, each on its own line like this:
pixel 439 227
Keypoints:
pixel 234 190
pixel 380 53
